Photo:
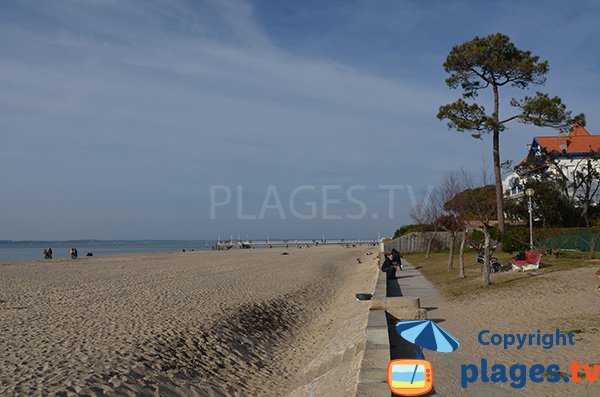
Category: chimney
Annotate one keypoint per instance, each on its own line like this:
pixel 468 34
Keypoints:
pixel 562 141
pixel 562 144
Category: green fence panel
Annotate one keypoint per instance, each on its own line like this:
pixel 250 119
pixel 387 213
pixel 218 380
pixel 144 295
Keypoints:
pixel 581 241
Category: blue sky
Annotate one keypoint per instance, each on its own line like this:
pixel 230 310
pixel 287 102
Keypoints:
pixel 117 117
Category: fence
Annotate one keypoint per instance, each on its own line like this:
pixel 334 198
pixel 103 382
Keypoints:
pixel 417 242
pixel 580 240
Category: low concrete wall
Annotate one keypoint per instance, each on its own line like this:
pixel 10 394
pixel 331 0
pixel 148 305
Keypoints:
pixel 372 378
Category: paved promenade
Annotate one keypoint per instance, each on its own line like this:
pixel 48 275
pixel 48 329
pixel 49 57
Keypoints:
pixel 446 367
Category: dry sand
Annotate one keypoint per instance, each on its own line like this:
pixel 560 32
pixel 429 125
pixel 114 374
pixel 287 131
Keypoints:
pixel 236 323
pixel 567 300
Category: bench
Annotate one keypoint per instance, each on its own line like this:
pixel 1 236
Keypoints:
pixel 531 262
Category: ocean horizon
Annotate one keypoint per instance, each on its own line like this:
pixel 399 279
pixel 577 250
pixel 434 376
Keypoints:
pixel 13 251
pixel 26 250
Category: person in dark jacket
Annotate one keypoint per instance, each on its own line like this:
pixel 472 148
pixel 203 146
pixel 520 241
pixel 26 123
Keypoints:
pixel 388 267
pixel 396 259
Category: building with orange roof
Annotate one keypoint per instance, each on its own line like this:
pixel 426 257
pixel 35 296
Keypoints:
pixel 568 152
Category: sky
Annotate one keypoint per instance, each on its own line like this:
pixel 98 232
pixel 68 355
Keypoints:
pixel 192 119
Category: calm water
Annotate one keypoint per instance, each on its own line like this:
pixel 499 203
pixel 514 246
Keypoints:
pixel 10 252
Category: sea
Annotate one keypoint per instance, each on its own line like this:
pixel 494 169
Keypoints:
pixel 12 251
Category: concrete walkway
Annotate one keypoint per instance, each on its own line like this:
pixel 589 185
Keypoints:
pixel 383 342
pixel 411 282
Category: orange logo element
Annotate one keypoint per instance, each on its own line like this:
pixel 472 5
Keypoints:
pixel 410 377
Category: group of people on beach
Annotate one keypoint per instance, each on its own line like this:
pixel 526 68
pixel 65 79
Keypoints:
pixel 48 253
pixel 391 263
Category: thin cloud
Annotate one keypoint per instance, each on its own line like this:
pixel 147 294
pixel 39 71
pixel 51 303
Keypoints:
pixel 142 105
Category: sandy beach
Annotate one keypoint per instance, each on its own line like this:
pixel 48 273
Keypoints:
pixel 545 301
pixel 236 323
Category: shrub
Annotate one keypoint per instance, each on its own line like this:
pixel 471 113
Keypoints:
pixel 409 229
pixel 476 238
pixel 516 239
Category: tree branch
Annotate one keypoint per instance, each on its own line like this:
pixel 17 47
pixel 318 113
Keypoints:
pixel 516 116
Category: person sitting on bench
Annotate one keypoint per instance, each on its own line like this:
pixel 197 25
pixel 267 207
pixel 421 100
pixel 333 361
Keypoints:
pixel 388 267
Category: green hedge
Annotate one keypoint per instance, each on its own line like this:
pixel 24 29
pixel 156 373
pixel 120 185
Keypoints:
pixel 574 238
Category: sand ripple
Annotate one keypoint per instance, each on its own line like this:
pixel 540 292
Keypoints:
pixel 202 323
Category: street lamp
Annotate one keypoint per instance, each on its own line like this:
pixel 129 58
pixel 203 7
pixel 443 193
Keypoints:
pixel 530 192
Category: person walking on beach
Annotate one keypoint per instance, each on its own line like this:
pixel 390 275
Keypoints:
pixel 49 253
pixel 73 253
pixel 46 255
pixel 396 259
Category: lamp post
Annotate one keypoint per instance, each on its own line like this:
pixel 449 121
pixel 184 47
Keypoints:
pixel 530 192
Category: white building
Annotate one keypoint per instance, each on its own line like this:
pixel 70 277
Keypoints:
pixel 569 154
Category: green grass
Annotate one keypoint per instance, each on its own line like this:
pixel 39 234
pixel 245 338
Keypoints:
pixel 435 270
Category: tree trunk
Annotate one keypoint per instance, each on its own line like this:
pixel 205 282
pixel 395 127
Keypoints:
pixel 428 252
pixel 461 261
pixel 486 261
pixel 585 207
pixel 497 171
pixel 585 214
pixel 593 241
pixel 451 255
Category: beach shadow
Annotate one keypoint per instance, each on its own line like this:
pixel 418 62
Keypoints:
pixel 409 276
pixel 437 320
pixel 393 288
pixel 524 276
pixel 401 348
pixel 430 308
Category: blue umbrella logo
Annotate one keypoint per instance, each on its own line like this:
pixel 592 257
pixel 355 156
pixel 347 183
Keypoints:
pixel 428 335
